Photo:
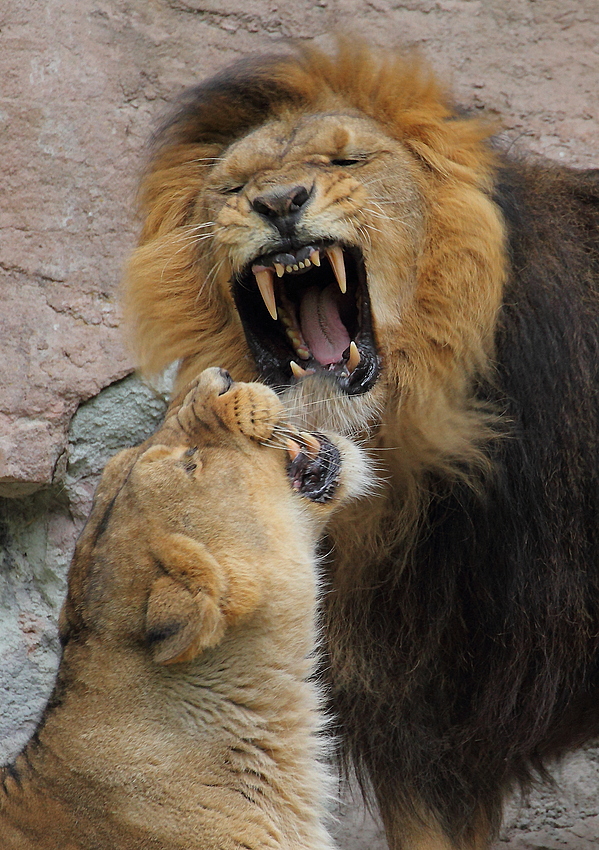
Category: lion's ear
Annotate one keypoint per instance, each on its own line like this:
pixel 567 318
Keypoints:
pixel 179 624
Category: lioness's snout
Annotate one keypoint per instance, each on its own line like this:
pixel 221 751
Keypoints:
pixel 320 467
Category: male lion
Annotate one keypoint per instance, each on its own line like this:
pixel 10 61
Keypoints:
pixel 182 718
pixel 332 224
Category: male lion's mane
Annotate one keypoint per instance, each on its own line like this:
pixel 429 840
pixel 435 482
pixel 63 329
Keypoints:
pixel 464 612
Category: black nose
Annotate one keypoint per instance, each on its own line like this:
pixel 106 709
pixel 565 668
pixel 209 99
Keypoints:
pixel 282 205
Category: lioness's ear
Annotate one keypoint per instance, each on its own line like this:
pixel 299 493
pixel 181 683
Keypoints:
pixel 179 624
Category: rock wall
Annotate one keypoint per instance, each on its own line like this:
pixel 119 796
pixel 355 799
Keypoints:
pixel 84 82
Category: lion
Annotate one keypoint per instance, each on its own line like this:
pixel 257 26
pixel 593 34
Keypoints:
pixel 183 714
pixel 328 222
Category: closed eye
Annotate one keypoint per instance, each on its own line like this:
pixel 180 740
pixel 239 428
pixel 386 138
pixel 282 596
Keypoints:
pixel 350 160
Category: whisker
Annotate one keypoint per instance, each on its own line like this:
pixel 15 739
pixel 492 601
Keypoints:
pixel 210 159
pixel 186 228
pixel 197 226
pixel 301 404
pixel 210 278
pixel 381 214
pixel 171 259
pixel 272 445
pixel 371 227
pixel 190 238
pixel 365 235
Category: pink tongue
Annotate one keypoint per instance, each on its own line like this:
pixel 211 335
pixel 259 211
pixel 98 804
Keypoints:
pixel 321 325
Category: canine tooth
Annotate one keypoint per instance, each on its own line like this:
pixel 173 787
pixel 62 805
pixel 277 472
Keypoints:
pixel 312 444
pixel 297 370
pixel 354 357
pixel 335 255
pixel 280 269
pixel 315 257
pixel 293 448
pixel 265 285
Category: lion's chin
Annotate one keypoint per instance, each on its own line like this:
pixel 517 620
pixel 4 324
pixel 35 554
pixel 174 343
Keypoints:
pixel 305 311
pixel 316 403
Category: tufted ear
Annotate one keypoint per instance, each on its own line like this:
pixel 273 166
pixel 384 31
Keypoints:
pixel 180 624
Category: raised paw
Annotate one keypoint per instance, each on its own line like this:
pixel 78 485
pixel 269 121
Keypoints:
pixel 215 402
pixel 253 410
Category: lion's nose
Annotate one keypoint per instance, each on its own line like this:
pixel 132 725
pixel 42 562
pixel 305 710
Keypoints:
pixel 282 204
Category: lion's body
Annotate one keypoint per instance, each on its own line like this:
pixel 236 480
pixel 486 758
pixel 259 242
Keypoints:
pixel 463 618
pixel 182 716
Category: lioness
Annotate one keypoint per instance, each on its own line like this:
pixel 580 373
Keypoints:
pixel 331 223
pixel 182 716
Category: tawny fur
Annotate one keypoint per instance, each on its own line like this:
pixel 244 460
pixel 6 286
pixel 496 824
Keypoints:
pixel 182 716
pixel 464 602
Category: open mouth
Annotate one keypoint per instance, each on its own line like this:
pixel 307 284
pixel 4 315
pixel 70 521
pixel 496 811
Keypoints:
pixel 305 310
pixel 315 467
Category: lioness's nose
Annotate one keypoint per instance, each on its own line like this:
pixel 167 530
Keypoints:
pixel 281 202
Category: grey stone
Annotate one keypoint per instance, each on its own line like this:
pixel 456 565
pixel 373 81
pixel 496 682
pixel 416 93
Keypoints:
pixel 37 537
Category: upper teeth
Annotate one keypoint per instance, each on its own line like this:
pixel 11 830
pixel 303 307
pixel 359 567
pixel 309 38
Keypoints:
pixel 264 274
pixel 335 255
pixel 264 278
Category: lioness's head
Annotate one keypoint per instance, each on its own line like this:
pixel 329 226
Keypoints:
pixel 221 506
pixel 322 222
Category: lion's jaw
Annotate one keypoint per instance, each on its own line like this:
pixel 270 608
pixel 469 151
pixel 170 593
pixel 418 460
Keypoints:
pixel 314 236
